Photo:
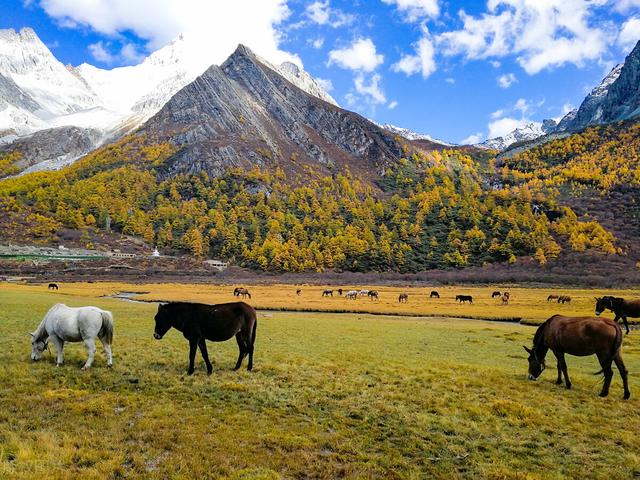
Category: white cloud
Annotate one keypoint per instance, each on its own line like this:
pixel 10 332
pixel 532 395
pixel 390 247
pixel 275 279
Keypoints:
pixel 566 108
pixel 318 43
pixel 320 12
pixel 326 84
pixel 416 9
pixel 497 114
pixel 360 55
pixel 215 28
pixel 99 51
pixel 502 126
pixel 423 61
pixel 624 6
pixel 629 33
pixel 506 80
pixel 472 139
pixel 542 34
pixel 392 105
pixel 372 91
pixel 129 52
pixel 450 80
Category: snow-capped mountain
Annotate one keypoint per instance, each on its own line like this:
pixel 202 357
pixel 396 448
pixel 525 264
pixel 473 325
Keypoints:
pixel 410 134
pixel 529 131
pixel 38 93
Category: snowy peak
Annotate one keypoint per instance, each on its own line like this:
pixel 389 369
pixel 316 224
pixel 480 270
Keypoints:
pixel 529 131
pixel 304 81
pixel 410 134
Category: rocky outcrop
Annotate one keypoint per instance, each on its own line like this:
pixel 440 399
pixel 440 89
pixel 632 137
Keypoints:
pixel 244 113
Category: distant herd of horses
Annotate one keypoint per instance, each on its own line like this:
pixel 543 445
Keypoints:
pixel 198 322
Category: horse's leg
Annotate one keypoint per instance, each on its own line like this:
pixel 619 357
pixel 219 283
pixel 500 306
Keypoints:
pixel 90 345
pixel 205 355
pixel 250 339
pixel 626 324
pixel 563 366
pixel 59 345
pixel 107 352
pixel 623 373
pixel 193 346
pixel 559 380
pixel 605 363
pixel 241 351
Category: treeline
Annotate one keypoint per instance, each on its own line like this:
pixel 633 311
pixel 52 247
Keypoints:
pixel 432 210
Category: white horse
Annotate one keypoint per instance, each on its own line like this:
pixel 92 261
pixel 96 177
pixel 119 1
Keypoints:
pixel 65 324
pixel 351 295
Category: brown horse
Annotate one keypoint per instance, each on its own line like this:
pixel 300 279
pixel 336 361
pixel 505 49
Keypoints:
pixel 373 295
pixel 552 297
pixel 579 336
pixel 564 299
pixel 298 292
pixel 327 293
pixel 496 294
pixel 505 299
pixel 403 298
pixel 621 307
pixel 241 292
pixel 434 294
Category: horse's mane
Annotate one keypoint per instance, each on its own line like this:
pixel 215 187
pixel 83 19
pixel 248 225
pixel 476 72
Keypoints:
pixel 539 332
pixel 41 331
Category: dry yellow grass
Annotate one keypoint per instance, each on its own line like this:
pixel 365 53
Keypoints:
pixel 528 305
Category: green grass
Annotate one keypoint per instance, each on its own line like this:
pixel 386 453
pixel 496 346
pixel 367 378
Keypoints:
pixel 331 396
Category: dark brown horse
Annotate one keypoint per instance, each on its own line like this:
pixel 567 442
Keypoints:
pixel 298 292
pixel 552 297
pixel 52 286
pixel 199 322
pixel 464 298
pixel 434 294
pixel 564 299
pixel 327 293
pixel 621 307
pixel 496 294
pixel 373 295
pixel 403 298
pixel 579 336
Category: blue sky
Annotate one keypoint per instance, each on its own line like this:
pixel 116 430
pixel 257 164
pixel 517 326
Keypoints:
pixel 457 70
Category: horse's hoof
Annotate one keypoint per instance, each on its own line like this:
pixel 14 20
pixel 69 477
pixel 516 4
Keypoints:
pixel 627 395
pixel 109 365
pixel 558 382
pixel 604 394
pixel 190 372
pixel 209 372
pixel 569 387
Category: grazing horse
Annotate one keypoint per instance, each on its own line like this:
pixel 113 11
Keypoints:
pixel 564 299
pixel 298 292
pixel 199 322
pixel 434 294
pixel 362 293
pixel 496 294
pixel 579 336
pixel 240 291
pixel 505 299
pixel 340 291
pixel 52 286
pixel 403 298
pixel 464 298
pixel 373 295
pixel 65 324
pixel 621 307
pixel 351 295
pixel 552 297
pixel 327 293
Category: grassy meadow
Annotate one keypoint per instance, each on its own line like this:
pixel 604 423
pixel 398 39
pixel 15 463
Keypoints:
pixel 332 395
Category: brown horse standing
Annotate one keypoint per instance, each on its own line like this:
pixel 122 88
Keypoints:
pixel 621 307
pixel 403 298
pixel 579 336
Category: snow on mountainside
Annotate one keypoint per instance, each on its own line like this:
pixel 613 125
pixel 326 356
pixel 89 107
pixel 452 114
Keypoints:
pixel 530 131
pixel 410 134
pixel 39 93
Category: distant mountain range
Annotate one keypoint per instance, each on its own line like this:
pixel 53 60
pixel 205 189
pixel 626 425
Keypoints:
pixel 220 116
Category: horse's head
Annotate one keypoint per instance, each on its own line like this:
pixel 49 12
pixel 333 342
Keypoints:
pixel 602 304
pixel 38 346
pixel 536 367
pixel 163 322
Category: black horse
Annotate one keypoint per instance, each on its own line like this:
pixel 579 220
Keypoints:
pixel 496 294
pixel 434 294
pixel 464 298
pixel 52 286
pixel 199 322
pixel 621 307
pixel 327 293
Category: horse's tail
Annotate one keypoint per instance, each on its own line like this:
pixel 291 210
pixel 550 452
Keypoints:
pixel 107 326
pixel 617 343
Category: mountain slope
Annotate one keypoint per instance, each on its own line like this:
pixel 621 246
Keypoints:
pixel 244 113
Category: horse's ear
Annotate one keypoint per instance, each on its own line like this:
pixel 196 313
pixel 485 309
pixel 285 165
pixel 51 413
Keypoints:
pixel 528 350
pixel 32 334
pixel 597 299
